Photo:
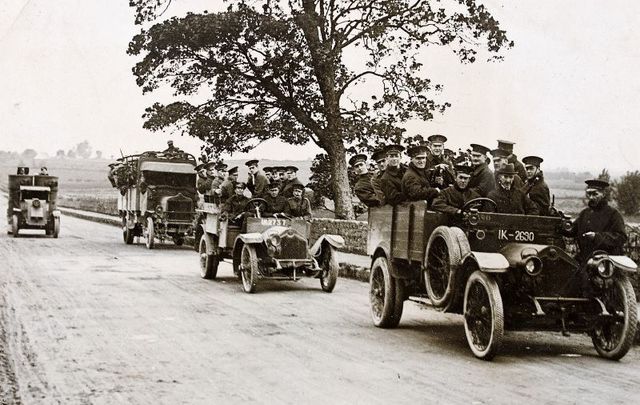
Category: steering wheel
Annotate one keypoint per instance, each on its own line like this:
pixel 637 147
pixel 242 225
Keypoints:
pixel 257 205
pixel 480 202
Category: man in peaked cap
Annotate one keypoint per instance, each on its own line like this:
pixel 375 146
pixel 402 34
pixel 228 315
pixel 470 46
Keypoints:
pixel 599 226
pixel 235 205
pixel 439 166
pixel 362 186
pixel 453 198
pixel 228 185
pixel 500 161
pixel 292 179
pixel 509 199
pixel 482 180
pixel 204 183
pixel 391 180
pixel 415 181
pixel 268 172
pixel 380 158
pixel 298 206
pixel 276 204
pixel 535 187
pixel 257 182
pixel 513 159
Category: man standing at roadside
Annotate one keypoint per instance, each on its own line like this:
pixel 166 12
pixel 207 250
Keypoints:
pixel 257 182
pixel 482 181
pixel 535 186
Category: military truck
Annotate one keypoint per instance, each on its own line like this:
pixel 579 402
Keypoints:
pixel 32 204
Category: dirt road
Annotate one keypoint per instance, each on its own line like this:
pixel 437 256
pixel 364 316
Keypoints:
pixel 88 319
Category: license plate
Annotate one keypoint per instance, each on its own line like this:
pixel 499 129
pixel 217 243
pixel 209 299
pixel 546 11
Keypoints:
pixel 274 221
pixel 516 236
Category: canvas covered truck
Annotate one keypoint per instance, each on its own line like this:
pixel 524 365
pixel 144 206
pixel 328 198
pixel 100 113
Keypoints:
pixel 501 272
pixel 266 248
pixel 157 196
pixel 32 204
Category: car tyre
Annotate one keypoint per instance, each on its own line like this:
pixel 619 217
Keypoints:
pixel 208 263
pixel 15 225
pixel 613 336
pixel 483 315
pixel 442 259
pixel 386 298
pixel 150 234
pixel 248 268
pixel 56 227
pixel 127 233
pixel 330 267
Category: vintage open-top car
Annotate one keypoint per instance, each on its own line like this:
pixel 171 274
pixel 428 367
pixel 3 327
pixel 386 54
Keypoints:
pixel 157 196
pixel 502 272
pixel 32 204
pixel 266 248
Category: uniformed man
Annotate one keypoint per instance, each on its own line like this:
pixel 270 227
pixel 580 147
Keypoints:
pixel 508 199
pixel 227 187
pixel 202 177
pixel 205 187
pixel 391 180
pixel 257 182
pixel 535 186
pixel 292 179
pixel 362 186
pixel 452 199
pixel 438 164
pixel 276 204
pixel 513 159
pixel 380 157
pixel 112 174
pixel 268 172
pixel 43 171
pixel 500 161
pixel 235 205
pixel 481 181
pixel 415 181
pixel 170 147
pixel 280 175
pixel 298 206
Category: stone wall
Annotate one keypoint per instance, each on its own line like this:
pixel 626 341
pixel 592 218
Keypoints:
pixel 353 232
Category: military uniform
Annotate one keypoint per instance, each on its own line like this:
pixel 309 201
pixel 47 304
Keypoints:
pixel 377 187
pixel 275 205
pixel 391 185
pixel 520 170
pixel 513 201
pixel 258 184
pixel 287 188
pixel 226 189
pixel 235 205
pixel 538 191
pixel 415 185
pixel 364 190
pixel 453 199
pixel 482 180
pixel 298 207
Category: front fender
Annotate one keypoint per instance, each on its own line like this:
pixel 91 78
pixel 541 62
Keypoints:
pixel 335 241
pixel 488 262
pixel 251 238
pixel 624 263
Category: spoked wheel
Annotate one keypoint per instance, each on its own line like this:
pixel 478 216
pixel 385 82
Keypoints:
pixel 15 225
pixel 386 299
pixel 56 227
pixel 330 267
pixel 249 268
pixel 442 259
pixel 483 315
pixel 150 234
pixel 208 263
pixel 613 335
pixel 127 233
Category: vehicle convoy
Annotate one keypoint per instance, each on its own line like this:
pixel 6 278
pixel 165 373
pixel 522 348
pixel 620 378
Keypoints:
pixel 157 196
pixel 502 272
pixel 266 248
pixel 32 204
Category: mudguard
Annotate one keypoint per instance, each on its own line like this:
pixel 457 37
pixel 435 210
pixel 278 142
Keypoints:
pixel 336 241
pixel 489 262
pixel 624 263
pixel 251 238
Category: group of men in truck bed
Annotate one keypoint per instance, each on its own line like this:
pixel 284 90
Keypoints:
pixel 447 181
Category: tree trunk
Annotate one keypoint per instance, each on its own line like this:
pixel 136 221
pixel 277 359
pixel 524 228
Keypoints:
pixel 340 179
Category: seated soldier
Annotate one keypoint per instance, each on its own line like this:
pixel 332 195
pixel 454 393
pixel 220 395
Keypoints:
pixel 509 199
pixel 298 205
pixel 276 204
pixel 452 199
pixel 363 187
pixel 234 206
pixel 415 181
pixel 391 180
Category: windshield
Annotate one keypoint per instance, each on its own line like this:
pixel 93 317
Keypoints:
pixel 32 194
pixel 169 179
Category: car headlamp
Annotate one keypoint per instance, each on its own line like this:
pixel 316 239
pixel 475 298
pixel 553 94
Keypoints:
pixel 159 209
pixel 274 240
pixel 36 203
pixel 533 266
pixel 605 268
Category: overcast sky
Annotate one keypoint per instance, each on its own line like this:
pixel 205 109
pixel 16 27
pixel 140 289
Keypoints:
pixel 568 91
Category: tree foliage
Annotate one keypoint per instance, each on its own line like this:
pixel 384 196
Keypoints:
pixel 267 69
pixel 627 193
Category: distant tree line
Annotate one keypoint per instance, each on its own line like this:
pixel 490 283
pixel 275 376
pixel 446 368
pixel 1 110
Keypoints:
pixel 82 150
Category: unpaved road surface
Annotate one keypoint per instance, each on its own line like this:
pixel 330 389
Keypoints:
pixel 88 319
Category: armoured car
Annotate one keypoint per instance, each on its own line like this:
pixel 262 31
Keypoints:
pixel 32 204
pixel 157 196
pixel 266 248
pixel 502 272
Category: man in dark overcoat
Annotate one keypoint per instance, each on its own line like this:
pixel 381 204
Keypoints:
pixel 415 181
pixel 535 186
pixel 508 199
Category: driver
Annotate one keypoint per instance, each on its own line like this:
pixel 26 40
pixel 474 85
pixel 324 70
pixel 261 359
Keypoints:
pixel 510 199
pixel 298 206
pixel 276 204
pixel 452 199
pixel 235 205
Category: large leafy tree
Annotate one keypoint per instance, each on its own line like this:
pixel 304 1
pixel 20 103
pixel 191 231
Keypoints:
pixel 294 70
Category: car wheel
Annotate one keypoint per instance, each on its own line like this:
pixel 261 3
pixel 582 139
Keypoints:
pixel 249 268
pixel 330 267
pixel 613 335
pixel 443 257
pixel 208 263
pixel 15 225
pixel 127 233
pixel 56 227
pixel 386 298
pixel 483 315
pixel 150 234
